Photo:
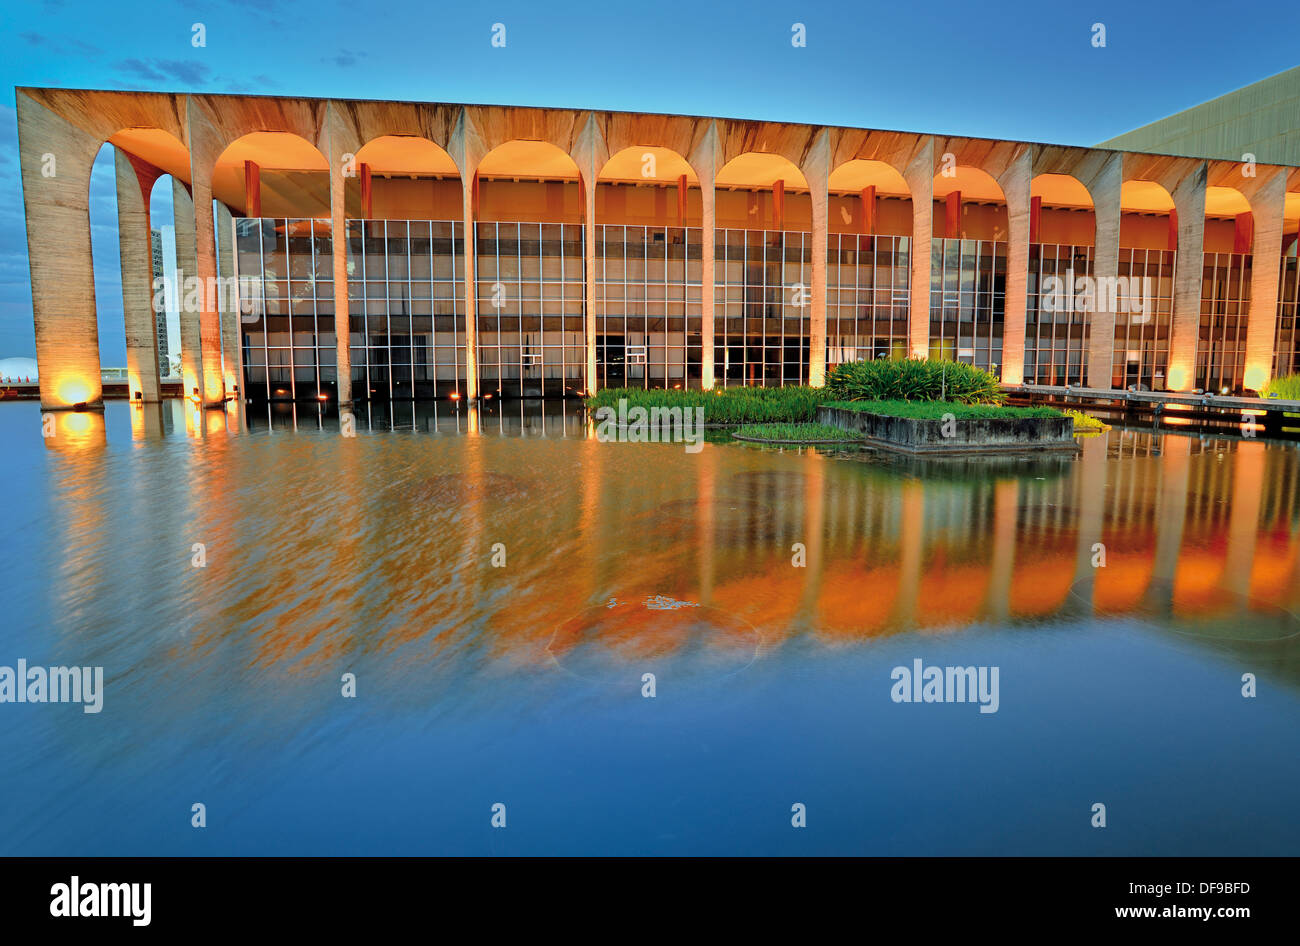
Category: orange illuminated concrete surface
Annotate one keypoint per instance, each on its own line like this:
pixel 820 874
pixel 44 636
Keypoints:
pixel 995 219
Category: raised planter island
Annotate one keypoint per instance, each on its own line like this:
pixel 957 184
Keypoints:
pixel 941 428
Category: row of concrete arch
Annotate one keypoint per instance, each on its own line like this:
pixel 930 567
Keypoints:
pixel 211 145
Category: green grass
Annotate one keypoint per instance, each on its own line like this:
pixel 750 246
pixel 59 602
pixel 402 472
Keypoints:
pixel 934 410
pixel 803 433
pixel 729 406
pixel 913 379
pixel 1286 387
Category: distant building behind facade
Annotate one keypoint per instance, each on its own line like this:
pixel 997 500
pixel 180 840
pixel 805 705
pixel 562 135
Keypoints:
pixel 160 315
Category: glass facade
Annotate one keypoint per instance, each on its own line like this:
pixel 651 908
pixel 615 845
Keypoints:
pixel 1225 305
pixel 762 292
pixel 868 281
pixel 968 301
pixel 1056 322
pixel 1286 342
pixel 648 307
pixel 532 339
pixel 288 337
pixel 406 307
pixel 1142 338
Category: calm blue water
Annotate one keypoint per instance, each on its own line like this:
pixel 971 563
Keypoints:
pixel 522 684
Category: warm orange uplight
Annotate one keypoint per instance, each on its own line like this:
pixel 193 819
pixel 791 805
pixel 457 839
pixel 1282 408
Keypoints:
pixel 455 395
pixel 1177 378
pixel 1256 377
pixel 73 390
pixel 78 423
pixel 75 430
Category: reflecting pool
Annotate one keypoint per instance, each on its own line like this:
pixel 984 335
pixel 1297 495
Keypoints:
pixel 637 649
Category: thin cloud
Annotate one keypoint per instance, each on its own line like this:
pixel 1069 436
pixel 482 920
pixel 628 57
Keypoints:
pixel 60 45
pixel 344 59
pixel 165 70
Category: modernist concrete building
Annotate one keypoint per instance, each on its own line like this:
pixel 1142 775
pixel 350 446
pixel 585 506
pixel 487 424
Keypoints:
pixel 500 251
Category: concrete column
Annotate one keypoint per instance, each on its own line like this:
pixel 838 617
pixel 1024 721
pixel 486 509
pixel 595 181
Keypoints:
pixel 214 382
pixel 339 248
pixel 135 180
pixel 341 146
pixel 817 172
pixel 1267 205
pixel 705 162
pixel 1105 189
pixel 920 182
pixel 56 159
pixel 1189 201
pixel 468 212
pixel 1015 183
pixel 232 341
pixel 191 347
pixel 708 278
pixel 588 184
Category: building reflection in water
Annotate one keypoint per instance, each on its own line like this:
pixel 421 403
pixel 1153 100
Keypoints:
pixel 325 549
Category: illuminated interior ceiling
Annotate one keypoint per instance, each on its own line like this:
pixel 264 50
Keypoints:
pixel 1144 197
pixel 1225 202
pixel 270 151
pixel 973 183
pixel 1061 190
pixel 527 159
pixel 758 169
pixel 273 151
pixel 407 155
pixel 159 148
pixel 858 174
pixel 630 166
pixel 1292 212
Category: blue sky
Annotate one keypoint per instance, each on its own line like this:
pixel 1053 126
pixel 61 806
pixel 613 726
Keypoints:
pixel 1005 70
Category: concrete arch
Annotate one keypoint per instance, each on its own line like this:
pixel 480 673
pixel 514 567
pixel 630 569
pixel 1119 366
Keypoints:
pixel 61 135
pixel 416 171
pixel 521 157
pixel 300 187
pixel 1142 196
pixel 137 179
pixel 214 126
pixel 760 169
pixel 958 188
pixel 405 154
pixel 858 173
pixel 1060 192
pixel 693 139
pixel 142 157
pixel 796 144
pixel 522 173
pixel 764 179
pixel 481 130
pixel 649 185
pixel 973 183
pixel 631 165
pixel 855 191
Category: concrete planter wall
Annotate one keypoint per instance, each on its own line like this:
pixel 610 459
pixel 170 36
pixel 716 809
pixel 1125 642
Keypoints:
pixel 974 435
